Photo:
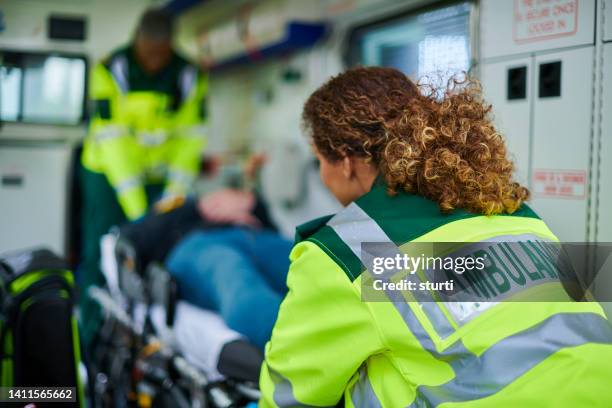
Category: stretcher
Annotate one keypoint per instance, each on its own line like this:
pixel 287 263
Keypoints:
pixel 157 350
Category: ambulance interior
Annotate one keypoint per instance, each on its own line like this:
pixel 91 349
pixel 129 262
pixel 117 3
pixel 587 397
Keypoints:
pixel 544 66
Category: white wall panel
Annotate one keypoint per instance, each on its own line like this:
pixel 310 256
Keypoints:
pixel 604 222
pixel 607 20
pixel 110 24
pixel 561 140
pixel 33 197
pixel 512 117
pixel 511 27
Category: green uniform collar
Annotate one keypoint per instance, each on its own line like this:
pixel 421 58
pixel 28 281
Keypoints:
pixel 307 229
pixel 403 217
pixel 393 213
pixel 165 81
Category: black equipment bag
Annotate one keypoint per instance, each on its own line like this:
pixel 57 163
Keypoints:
pixel 39 341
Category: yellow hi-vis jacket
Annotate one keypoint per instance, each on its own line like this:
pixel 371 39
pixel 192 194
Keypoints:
pixel 145 129
pixel 329 345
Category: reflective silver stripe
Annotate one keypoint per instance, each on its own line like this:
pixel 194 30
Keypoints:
pixel 119 69
pixel 196 131
pixel 510 358
pixel 354 227
pixel 464 311
pixel 453 355
pixel 199 131
pixel 109 132
pixel 180 177
pixel 283 391
pixel 187 80
pixel 362 393
pixel 152 138
pixel 128 184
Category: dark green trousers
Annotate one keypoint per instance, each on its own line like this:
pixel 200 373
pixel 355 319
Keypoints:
pixel 100 212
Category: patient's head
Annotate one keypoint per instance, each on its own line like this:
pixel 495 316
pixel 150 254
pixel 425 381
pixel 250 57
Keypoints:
pixel 436 142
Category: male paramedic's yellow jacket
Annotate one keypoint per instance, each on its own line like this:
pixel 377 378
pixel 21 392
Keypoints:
pixel 145 129
pixel 329 346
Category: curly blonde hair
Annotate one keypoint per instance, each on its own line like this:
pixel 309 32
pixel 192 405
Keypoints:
pixel 435 141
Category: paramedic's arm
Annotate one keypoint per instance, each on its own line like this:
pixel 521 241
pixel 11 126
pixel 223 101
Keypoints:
pixel 322 335
pixel 118 150
pixel 188 139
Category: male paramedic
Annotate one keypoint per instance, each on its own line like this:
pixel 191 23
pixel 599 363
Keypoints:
pixel 145 140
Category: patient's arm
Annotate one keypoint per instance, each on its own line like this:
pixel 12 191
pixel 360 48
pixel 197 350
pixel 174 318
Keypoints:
pixel 229 206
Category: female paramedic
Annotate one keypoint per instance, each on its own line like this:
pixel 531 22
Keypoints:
pixel 411 165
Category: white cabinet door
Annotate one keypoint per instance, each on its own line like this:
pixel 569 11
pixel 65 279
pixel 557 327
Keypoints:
pixel 561 140
pixel 510 27
pixel 604 222
pixel 607 10
pixel 508 87
pixel 33 197
pixel 603 282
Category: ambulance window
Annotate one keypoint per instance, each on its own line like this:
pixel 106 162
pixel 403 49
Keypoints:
pixel 429 41
pixel 42 88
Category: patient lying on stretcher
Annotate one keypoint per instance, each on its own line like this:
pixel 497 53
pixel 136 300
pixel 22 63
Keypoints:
pixel 230 266
pixel 239 270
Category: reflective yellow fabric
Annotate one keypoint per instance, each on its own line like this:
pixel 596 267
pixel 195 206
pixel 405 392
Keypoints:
pixel 143 140
pixel 329 346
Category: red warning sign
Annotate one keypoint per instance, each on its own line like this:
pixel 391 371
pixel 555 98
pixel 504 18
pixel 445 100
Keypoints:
pixel 536 20
pixel 559 183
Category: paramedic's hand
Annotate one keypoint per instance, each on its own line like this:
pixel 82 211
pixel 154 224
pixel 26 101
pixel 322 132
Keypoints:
pixel 168 203
pixel 229 206
pixel 253 164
